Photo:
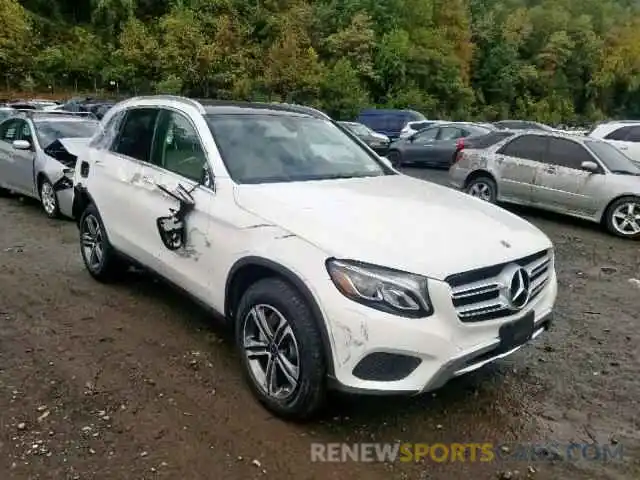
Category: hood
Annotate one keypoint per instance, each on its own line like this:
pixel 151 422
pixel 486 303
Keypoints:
pixel 67 150
pixel 395 221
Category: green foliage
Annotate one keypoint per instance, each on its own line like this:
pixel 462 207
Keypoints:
pixel 548 60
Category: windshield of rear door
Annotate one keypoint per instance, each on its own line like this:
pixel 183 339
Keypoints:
pixel 614 159
pixel 268 148
pixel 52 130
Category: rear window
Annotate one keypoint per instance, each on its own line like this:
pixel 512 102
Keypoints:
pixel 488 140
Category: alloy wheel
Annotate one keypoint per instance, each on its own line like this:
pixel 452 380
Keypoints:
pixel 48 198
pixel 271 349
pixel 625 219
pixel 481 190
pixel 92 243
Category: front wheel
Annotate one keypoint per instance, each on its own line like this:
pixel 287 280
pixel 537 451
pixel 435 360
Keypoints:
pixel 483 188
pixel 49 199
pixel 281 349
pixel 623 218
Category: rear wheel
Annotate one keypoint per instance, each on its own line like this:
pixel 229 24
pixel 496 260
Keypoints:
pixel 623 218
pixel 281 349
pixel 100 258
pixel 483 187
pixel 395 157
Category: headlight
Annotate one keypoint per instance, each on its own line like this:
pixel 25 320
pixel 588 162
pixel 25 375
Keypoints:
pixel 387 290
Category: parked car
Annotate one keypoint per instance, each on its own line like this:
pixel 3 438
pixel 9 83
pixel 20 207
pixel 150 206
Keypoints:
pixel 624 135
pixel 388 122
pixel 573 175
pixel 6 112
pixel 434 146
pixel 522 125
pixel 233 203
pixel 378 142
pixel 414 127
pixel 38 152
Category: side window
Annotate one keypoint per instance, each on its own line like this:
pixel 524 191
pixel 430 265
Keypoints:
pixel 619 134
pixel 177 146
pixel 634 135
pixel 136 134
pixel 527 147
pixel 108 133
pixel 9 131
pixel 25 132
pixel 566 153
pixel 449 133
pixel 427 135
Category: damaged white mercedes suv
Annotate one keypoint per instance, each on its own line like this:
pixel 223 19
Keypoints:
pixel 335 270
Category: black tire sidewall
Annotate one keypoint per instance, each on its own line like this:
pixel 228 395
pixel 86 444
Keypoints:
pixel 488 181
pixel 395 157
pixel 309 395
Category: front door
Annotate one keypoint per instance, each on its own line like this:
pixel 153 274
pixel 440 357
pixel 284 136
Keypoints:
pixel 23 164
pixel 8 134
pixel 562 185
pixel 176 201
pixel 418 147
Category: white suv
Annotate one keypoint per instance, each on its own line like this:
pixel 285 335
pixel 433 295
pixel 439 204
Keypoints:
pixel 335 270
pixel 625 135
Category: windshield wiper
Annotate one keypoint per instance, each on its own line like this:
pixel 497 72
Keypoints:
pixel 625 172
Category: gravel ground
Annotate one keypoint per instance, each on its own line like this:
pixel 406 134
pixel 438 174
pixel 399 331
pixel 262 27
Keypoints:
pixel 133 381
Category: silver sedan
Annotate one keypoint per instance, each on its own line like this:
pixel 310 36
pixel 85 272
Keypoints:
pixel 573 175
pixel 38 152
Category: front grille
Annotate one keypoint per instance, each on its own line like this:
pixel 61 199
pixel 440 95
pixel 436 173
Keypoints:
pixel 481 294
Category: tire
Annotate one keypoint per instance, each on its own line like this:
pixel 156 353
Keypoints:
pixel 625 208
pixel 109 266
pixel 483 187
pixel 279 300
pixel 395 157
pixel 49 199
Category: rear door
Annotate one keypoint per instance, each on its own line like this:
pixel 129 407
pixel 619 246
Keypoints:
pixel 114 178
pixel 562 185
pixel 517 163
pixel 444 147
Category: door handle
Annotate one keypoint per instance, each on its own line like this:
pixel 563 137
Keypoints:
pixel 623 147
pixel 551 170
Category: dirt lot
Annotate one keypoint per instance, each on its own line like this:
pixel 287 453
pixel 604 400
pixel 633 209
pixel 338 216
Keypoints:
pixel 133 381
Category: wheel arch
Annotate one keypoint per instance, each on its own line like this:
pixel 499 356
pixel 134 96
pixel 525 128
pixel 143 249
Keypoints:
pixel 477 174
pixel 81 200
pixel 605 210
pixel 251 269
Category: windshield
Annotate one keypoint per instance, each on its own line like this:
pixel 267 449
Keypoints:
pixel 614 159
pixel 262 148
pixel 358 128
pixel 50 131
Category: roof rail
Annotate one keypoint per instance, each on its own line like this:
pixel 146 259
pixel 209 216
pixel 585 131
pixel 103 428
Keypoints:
pixel 44 113
pixel 174 98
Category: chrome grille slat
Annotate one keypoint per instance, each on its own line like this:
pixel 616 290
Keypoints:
pixel 479 295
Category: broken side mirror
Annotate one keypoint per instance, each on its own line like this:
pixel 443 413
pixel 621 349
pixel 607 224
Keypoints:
pixel 207 179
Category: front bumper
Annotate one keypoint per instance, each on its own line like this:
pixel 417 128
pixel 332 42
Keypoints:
pixel 378 353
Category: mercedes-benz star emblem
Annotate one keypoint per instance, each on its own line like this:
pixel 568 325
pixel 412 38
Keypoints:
pixel 519 289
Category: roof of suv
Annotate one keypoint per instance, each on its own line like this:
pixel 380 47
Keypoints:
pixel 208 106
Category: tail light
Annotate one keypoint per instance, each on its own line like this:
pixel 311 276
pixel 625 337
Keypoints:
pixel 459 148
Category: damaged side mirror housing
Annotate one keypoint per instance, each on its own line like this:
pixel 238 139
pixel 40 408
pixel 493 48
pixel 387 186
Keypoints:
pixel 207 178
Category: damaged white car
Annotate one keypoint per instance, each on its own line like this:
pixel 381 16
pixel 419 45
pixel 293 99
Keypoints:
pixel 335 270
pixel 38 153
